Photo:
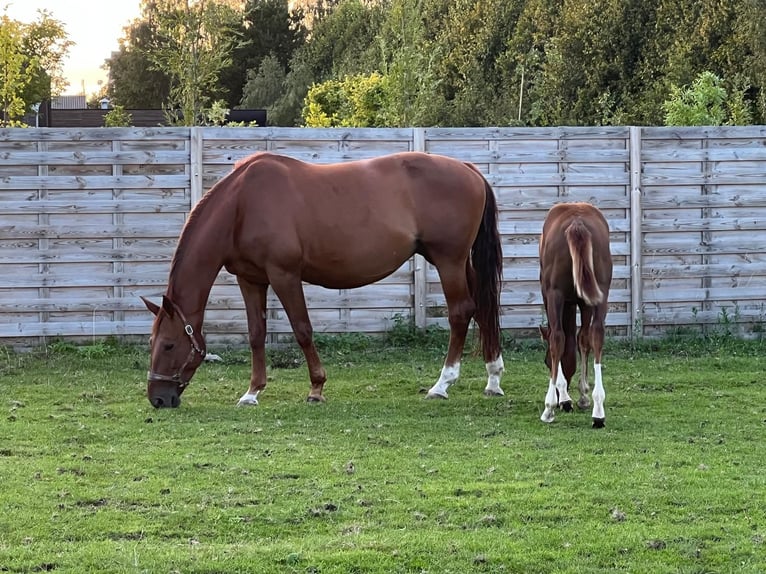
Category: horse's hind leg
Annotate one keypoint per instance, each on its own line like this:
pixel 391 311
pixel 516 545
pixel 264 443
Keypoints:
pixel 568 357
pixel 255 305
pixel 597 343
pixel 584 347
pixel 460 309
pixel 289 289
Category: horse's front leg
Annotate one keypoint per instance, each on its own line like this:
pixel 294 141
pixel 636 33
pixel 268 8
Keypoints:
pixel 255 306
pixel 289 289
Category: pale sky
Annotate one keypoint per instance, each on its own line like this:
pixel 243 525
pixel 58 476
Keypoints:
pixel 95 27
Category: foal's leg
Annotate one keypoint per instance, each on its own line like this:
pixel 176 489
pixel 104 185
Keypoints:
pixel 568 358
pixel 288 288
pixel 255 305
pixel 584 346
pixel 597 341
pixel 460 309
pixel 556 342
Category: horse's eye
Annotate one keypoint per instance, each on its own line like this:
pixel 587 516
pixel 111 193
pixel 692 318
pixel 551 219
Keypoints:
pixel 168 347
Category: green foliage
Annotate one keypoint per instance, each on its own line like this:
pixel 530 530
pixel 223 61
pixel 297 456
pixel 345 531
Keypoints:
pixel 464 63
pixel 355 101
pixel 117 117
pixel 701 104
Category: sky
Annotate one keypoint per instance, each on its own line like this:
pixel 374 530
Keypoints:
pixel 94 26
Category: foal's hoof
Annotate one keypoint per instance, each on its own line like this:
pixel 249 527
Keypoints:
pixel 248 401
pixel 436 396
pixel 315 400
pixel 498 392
pixel 599 423
pixel 583 404
pixel 566 406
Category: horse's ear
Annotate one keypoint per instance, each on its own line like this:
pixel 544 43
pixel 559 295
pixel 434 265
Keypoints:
pixel 151 306
pixel 167 304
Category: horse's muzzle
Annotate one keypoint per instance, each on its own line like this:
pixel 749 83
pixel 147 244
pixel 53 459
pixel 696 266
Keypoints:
pixel 159 402
pixel 163 395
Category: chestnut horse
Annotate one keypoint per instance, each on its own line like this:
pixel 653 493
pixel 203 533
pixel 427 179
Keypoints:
pixel 278 221
pixel 575 271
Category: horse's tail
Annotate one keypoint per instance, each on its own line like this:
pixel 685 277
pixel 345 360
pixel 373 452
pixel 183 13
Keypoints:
pixel 581 250
pixel 485 281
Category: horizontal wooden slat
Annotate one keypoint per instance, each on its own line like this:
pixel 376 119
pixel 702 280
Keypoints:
pixel 93 134
pixel 37 158
pixel 95 182
pixel 61 206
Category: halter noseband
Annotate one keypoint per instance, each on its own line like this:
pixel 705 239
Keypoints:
pixel 154 377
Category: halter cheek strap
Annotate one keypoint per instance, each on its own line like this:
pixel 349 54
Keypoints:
pixel 196 349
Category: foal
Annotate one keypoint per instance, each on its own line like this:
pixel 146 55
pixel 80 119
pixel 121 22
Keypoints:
pixel 575 271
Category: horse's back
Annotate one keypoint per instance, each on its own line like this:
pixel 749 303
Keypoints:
pixel 356 222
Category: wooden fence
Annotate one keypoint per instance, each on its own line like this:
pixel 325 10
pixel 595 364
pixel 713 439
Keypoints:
pixel 89 220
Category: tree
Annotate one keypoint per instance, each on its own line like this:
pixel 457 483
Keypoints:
pixel 46 41
pixel 268 28
pixel 134 81
pixel 264 88
pixel 12 71
pixel 194 42
pixel 342 42
pixel 30 63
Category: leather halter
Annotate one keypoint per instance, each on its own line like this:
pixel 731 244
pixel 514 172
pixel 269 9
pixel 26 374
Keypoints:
pixel 154 377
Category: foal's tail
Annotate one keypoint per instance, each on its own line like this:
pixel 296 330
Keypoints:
pixel 487 260
pixel 581 250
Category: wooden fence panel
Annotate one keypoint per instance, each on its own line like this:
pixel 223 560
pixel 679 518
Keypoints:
pixel 704 224
pixel 89 220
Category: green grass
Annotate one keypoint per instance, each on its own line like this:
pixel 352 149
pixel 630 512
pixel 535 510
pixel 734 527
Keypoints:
pixel 378 480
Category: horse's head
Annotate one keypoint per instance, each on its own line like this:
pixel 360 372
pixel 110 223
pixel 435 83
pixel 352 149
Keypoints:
pixel 544 334
pixel 176 352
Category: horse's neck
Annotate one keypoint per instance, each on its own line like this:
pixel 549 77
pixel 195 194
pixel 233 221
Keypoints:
pixel 193 274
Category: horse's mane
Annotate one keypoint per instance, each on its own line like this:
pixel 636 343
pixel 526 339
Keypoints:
pixel 198 211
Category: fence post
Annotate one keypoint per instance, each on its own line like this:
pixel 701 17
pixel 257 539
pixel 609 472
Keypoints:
pixel 195 164
pixel 419 263
pixel 636 298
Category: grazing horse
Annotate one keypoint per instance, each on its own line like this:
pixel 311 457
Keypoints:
pixel 575 271
pixel 278 221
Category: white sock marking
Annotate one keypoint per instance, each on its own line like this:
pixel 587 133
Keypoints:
pixel 449 375
pixel 599 395
pixel 495 372
pixel 248 399
pixel 561 386
pixel 551 401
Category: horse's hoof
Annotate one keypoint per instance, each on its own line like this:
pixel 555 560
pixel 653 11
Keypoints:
pixel 583 405
pixel 547 418
pixel 494 392
pixel 566 406
pixel 436 396
pixel 599 423
pixel 315 400
pixel 243 402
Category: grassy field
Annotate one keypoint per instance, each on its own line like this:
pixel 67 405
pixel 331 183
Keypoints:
pixel 379 480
